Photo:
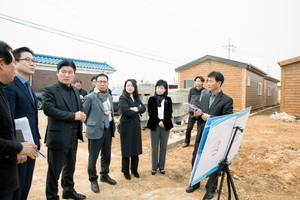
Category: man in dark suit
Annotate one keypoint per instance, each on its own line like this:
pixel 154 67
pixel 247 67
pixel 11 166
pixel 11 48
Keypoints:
pixel 23 103
pixel 9 148
pixel 99 109
pixel 61 104
pixel 212 105
pixel 78 85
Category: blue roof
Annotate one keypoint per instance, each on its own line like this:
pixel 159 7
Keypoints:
pixel 54 60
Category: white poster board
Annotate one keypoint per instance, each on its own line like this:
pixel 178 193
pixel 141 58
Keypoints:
pixel 215 140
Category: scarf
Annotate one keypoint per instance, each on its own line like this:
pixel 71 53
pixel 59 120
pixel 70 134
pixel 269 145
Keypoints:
pixel 159 99
pixel 103 97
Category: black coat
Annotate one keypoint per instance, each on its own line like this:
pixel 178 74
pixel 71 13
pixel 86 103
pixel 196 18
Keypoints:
pixel 153 114
pixel 9 148
pixel 60 117
pixel 131 136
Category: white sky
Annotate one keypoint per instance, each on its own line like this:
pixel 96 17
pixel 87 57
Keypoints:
pixel 172 31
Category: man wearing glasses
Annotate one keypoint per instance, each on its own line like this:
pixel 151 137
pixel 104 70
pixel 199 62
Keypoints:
pixel 9 148
pixel 23 103
pixel 100 129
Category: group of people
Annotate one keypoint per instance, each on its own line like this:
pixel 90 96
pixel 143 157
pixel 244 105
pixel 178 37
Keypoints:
pixel 66 112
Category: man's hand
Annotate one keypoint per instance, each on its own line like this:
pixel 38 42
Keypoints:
pixel 80 116
pixel 29 150
pixel 21 158
pixel 197 112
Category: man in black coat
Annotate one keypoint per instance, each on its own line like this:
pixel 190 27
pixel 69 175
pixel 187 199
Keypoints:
pixel 61 104
pixel 9 148
pixel 212 105
pixel 23 103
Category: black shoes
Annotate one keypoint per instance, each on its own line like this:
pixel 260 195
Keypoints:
pixel 153 171
pixel 127 176
pixel 191 189
pixel 136 175
pixel 162 171
pixel 95 187
pixel 185 144
pixel 210 196
pixel 72 195
pixel 107 179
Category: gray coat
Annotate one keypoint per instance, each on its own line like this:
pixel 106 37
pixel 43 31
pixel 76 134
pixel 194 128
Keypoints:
pixel 94 110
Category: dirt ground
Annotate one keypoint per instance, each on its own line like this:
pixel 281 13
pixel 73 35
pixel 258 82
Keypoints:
pixel 267 167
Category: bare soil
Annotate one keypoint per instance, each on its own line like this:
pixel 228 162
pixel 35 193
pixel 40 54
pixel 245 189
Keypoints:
pixel 267 167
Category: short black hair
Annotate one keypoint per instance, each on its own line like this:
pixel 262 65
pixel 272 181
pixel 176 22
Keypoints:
pixel 17 52
pixel 66 63
pixel 93 78
pixel 164 83
pixel 78 81
pixel 5 54
pixel 96 77
pixel 200 77
pixel 218 76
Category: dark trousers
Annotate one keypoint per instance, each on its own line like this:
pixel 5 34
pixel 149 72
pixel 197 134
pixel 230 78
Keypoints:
pixel 132 161
pixel 25 178
pixel 95 146
pixel 61 160
pixel 189 128
pixel 211 178
pixel 7 196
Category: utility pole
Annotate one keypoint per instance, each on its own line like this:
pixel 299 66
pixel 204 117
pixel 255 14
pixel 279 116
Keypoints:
pixel 229 47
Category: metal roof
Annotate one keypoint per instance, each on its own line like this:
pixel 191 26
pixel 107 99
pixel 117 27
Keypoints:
pixel 210 57
pixel 84 64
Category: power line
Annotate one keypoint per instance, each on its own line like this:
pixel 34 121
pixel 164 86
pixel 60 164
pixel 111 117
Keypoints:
pixel 84 39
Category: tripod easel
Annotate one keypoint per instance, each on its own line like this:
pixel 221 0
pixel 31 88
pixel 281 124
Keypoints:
pixel 224 169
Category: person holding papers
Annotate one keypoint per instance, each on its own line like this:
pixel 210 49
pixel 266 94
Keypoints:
pixel 23 103
pixel 9 148
pixel 160 122
pixel 61 104
pixel 214 104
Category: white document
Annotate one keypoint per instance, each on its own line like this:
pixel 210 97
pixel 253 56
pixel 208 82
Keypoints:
pixel 23 125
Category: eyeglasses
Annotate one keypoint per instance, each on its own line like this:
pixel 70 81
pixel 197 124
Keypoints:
pixel 29 60
pixel 104 82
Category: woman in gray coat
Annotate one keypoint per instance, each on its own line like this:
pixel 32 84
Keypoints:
pixel 131 137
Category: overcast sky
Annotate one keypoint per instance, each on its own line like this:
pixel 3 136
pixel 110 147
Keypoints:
pixel 148 39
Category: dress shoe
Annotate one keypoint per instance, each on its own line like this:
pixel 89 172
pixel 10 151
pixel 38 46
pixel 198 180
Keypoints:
pixel 107 179
pixel 210 196
pixel 153 171
pixel 185 144
pixel 95 187
pixel 162 171
pixel 191 189
pixel 136 175
pixel 72 195
pixel 127 176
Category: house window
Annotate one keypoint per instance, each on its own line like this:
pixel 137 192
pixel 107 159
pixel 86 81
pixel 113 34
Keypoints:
pixel 269 90
pixel 259 89
pixel 188 83
pixel 248 81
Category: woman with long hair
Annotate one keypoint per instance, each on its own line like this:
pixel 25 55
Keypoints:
pixel 130 134
pixel 160 122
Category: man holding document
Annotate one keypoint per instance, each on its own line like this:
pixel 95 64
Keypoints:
pixel 23 103
pixel 212 105
pixel 9 148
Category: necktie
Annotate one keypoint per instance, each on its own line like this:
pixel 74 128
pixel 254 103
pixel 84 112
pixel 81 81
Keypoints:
pixel 106 121
pixel 29 90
